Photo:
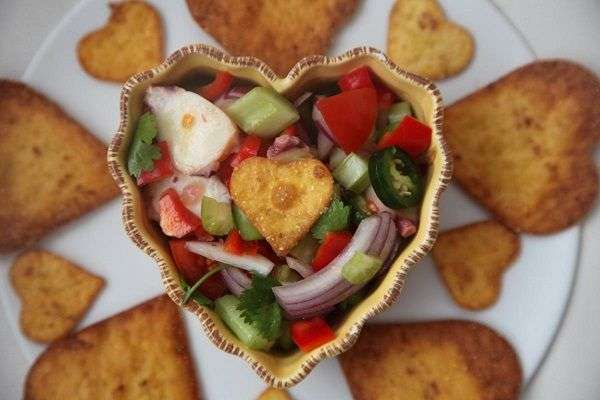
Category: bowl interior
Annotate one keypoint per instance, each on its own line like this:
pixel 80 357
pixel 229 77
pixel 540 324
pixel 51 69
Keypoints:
pixel 282 369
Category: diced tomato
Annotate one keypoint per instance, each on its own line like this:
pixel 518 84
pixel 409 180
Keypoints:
pixel 175 219
pixel 217 87
pixel 350 116
pixel 163 167
pixel 234 244
pixel 333 244
pixel 356 79
pixel 202 235
pixel 312 333
pixel 410 135
pixel 291 130
pixel 190 265
pixel 214 287
pixel 249 148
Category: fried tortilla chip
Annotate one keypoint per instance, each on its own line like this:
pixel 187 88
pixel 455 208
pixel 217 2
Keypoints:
pixel 274 394
pixel 279 32
pixel 282 200
pixel 451 360
pixel 423 41
pixel 141 353
pixel 51 169
pixel 472 259
pixel 522 145
pixel 131 42
pixel 55 294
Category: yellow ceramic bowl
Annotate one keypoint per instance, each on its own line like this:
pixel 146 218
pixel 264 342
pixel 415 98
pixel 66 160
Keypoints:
pixel 275 369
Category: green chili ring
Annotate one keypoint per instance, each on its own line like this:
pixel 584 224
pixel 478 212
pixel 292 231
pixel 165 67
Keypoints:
pixel 395 178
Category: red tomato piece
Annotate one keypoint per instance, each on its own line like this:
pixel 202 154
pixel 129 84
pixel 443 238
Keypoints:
pixel 350 116
pixel 291 130
pixel 217 87
pixel 356 79
pixel 191 266
pixel 163 167
pixel 266 250
pixel 234 243
pixel 411 135
pixel 333 244
pixel 249 148
pixel 202 235
pixel 175 219
pixel 214 287
pixel 312 333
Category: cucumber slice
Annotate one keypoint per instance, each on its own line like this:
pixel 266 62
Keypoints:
pixel 361 268
pixel 226 308
pixel 263 112
pixel 305 249
pixel 353 173
pixel 284 274
pixel 398 111
pixel 243 224
pixel 217 218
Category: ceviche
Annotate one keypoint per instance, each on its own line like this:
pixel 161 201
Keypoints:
pixel 280 212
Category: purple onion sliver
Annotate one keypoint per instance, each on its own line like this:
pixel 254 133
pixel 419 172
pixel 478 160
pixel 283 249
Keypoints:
pixel 300 315
pixel 389 241
pixel 324 145
pixel 303 269
pixel 232 285
pixel 381 236
pixel 240 278
pixel 332 293
pixel 298 102
pixel 320 122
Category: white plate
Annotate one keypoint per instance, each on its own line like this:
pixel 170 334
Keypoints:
pixel 536 288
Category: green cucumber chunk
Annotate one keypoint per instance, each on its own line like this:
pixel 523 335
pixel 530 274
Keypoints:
pixel 217 218
pixel 305 249
pixel 398 111
pixel 361 268
pixel 352 173
pixel 285 341
pixel 263 112
pixel 244 226
pixel 284 274
pixel 226 308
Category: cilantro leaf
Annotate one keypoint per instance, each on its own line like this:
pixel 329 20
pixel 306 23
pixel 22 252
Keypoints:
pixel 335 219
pixel 142 152
pixel 260 308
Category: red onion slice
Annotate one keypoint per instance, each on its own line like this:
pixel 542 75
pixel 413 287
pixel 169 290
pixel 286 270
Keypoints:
pixel 298 102
pixel 390 240
pixel 381 236
pixel 303 269
pixel 215 251
pixel 319 283
pixel 231 95
pixel 326 306
pixel 320 121
pixel 324 145
pixel 232 285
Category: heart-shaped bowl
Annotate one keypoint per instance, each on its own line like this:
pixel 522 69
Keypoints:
pixel 282 370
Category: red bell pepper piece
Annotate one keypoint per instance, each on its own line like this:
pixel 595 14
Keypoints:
pixel 350 117
pixel 356 79
pixel 175 219
pixel 190 265
pixel 333 244
pixel 291 130
pixel 410 135
pixel 312 333
pixel 163 167
pixel 249 148
pixel 217 87
pixel 234 244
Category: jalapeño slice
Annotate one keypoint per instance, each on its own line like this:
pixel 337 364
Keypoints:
pixel 395 178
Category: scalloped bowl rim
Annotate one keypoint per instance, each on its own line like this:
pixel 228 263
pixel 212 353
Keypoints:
pixel 390 286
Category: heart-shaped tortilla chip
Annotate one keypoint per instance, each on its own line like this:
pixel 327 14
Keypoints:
pixel 279 32
pixel 423 41
pixel 282 200
pixel 131 42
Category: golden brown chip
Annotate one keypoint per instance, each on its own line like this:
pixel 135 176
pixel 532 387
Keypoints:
pixel 141 353
pixel 279 32
pixel 274 394
pixel 51 169
pixel 131 42
pixel 54 293
pixel 423 41
pixel 451 360
pixel 522 145
pixel 471 260
pixel 282 200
